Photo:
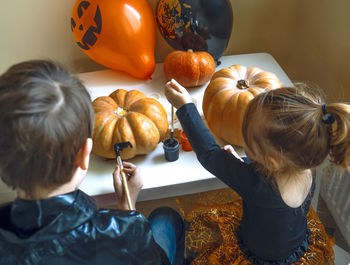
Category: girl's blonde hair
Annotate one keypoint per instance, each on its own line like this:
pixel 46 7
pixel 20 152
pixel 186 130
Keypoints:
pixel 294 127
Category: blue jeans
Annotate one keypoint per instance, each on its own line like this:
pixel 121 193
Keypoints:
pixel 169 232
pixel 246 160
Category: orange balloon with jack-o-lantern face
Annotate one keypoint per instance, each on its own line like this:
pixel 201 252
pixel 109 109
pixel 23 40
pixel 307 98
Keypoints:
pixel 119 34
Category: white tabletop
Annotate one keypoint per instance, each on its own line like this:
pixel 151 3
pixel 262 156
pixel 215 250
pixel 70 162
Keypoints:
pixel 161 178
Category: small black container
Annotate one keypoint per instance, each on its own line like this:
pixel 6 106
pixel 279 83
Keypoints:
pixel 171 149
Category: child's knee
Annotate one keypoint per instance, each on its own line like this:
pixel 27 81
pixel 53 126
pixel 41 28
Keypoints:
pixel 165 213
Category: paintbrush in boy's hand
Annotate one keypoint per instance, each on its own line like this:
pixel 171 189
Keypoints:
pixel 118 147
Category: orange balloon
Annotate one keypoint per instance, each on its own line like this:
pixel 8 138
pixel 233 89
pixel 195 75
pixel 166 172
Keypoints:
pixel 120 35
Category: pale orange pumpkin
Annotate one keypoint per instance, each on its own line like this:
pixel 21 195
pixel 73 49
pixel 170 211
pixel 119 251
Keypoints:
pixel 227 96
pixel 189 68
pixel 128 116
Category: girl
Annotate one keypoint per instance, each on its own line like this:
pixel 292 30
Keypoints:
pixel 287 133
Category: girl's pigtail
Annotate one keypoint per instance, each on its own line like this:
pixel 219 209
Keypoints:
pixel 337 117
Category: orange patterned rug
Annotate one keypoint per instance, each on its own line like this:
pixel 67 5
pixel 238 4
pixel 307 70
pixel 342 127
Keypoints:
pixel 214 216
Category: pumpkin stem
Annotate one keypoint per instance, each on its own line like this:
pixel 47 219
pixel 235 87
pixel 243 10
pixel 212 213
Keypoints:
pixel 242 84
pixel 189 50
pixel 120 111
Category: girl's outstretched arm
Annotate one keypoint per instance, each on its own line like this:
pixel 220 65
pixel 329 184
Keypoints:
pixel 222 164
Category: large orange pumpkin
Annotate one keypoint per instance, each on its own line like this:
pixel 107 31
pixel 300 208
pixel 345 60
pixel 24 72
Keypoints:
pixel 128 116
pixel 227 96
pixel 189 68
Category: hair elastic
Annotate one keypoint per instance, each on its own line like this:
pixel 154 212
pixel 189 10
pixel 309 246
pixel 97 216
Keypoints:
pixel 327 117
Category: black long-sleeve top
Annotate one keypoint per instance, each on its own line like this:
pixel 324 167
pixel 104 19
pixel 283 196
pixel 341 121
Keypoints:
pixel 270 229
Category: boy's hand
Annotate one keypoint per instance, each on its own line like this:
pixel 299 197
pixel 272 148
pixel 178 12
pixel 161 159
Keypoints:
pixel 229 148
pixel 135 184
pixel 176 94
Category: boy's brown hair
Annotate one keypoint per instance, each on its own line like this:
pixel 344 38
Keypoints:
pixel 288 124
pixel 45 117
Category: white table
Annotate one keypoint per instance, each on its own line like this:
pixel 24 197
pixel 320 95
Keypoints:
pixel 161 178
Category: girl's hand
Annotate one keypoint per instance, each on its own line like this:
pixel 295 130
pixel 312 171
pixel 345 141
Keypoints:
pixel 176 94
pixel 229 148
pixel 135 184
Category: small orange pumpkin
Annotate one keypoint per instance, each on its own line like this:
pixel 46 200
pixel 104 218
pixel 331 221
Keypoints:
pixel 227 96
pixel 189 68
pixel 128 116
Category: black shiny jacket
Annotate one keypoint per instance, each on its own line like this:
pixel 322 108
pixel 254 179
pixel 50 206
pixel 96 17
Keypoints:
pixel 70 229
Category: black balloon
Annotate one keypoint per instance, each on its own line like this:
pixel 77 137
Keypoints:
pixel 200 25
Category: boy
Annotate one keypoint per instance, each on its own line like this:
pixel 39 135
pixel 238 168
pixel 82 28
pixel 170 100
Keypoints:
pixel 46 121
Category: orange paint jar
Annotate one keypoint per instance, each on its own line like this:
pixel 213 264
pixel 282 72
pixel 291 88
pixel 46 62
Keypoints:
pixel 185 144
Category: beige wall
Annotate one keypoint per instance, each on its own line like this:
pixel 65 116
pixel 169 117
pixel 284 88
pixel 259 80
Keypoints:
pixel 310 39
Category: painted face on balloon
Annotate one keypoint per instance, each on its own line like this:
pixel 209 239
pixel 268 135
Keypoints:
pixel 89 29
pixel 118 34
